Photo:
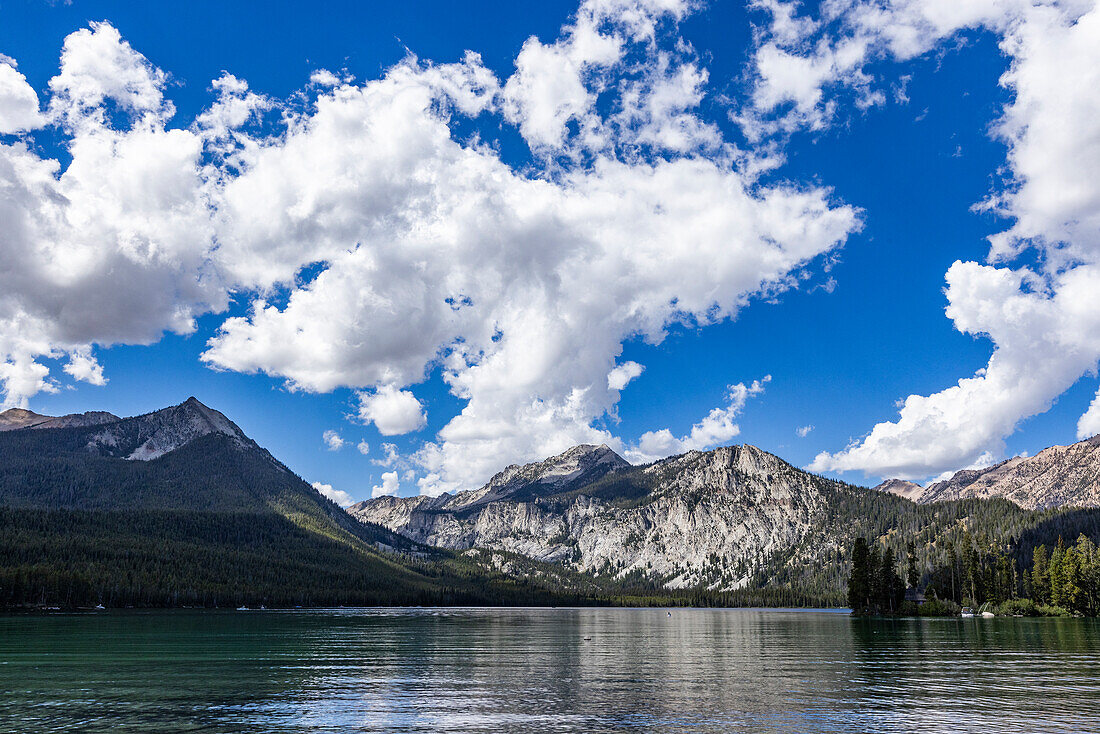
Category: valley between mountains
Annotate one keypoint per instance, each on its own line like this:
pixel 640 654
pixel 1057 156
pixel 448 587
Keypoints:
pixel 180 508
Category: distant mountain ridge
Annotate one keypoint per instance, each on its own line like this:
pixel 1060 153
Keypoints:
pixel 17 418
pixel 1059 476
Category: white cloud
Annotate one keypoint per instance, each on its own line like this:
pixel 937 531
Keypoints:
pixel 96 66
pixel 364 448
pixel 392 411
pixel 18 101
pixel 953 427
pixel 803 431
pixel 83 366
pixel 338 496
pixel 521 285
pixel 114 248
pixel 389 486
pixel 390 458
pixel 332 440
pixel 622 375
pixel 716 428
pixel 1089 424
pixel 324 78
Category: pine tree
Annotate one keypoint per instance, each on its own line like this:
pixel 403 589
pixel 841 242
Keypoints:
pixel 1057 574
pixel 859 581
pixel 1040 575
pixel 911 565
pixel 891 589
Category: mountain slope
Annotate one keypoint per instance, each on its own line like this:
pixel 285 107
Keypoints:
pixel 179 506
pixel 1059 476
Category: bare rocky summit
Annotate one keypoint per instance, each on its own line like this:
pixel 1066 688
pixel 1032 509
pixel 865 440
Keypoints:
pixel 140 438
pixel 902 488
pixel 150 436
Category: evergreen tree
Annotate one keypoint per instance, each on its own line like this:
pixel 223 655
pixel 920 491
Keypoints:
pixel 859 581
pixel 891 589
pixel 1057 574
pixel 1040 575
pixel 913 570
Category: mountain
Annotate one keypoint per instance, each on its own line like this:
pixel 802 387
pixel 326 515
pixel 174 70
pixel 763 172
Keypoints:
pixel 1059 476
pixel 180 507
pixel 729 520
pixel 902 488
pixel 696 518
pixel 16 418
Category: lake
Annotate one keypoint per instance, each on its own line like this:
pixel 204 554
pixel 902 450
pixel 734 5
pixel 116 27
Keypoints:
pixel 544 670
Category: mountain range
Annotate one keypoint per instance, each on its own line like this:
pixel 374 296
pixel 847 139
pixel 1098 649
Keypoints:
pixel 180 507
pixel 1059 476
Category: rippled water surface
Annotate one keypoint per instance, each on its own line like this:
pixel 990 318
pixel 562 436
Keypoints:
pixel 544 670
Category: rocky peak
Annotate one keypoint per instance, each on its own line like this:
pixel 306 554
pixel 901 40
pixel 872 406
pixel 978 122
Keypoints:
pixel 15 418
pixel 902 488
pixel 149 436
pixel 577 465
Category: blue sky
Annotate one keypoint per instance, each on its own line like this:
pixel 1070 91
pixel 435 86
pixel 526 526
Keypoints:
pixel 905 139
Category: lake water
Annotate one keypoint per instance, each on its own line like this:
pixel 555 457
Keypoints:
pixel 544 670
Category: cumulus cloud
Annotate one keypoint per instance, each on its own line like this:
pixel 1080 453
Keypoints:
pixel 1042 304
pixel 83 366
pixel 716 428
pixel 363 447
pixel 803 431
pixel 423 250
pixel 338 496
pixel 114 248
pixel 389 486
pixel 332 440
pixel 18 100
pixel 392 411
pixel 1089 424
pixel 621 376
pixel 390 457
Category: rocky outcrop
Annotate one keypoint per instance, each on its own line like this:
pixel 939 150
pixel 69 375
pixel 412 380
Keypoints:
pixel 701 518
pixel 1060 476
pixel 902 488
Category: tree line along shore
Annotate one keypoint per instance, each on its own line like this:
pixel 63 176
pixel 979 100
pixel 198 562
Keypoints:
pixel 1060 582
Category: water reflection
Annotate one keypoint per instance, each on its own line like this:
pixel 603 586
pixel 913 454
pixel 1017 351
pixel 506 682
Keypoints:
pixel 567 670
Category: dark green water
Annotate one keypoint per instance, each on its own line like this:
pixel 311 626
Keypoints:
pixel 480 670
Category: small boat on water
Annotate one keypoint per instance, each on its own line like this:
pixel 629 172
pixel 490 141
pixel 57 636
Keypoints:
pixel 966 612
pixel 242 609
pixel 99 607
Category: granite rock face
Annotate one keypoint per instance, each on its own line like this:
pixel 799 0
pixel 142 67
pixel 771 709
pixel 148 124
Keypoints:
pixel 705 518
